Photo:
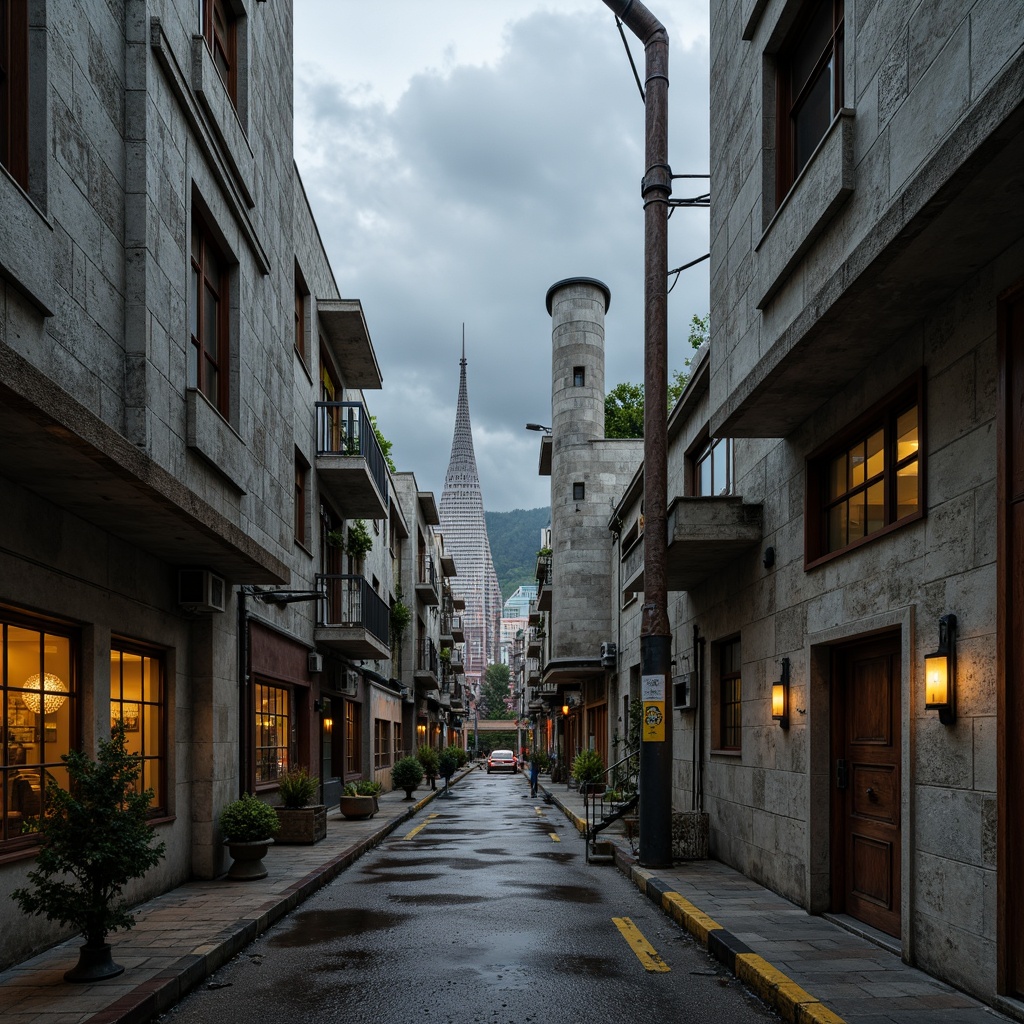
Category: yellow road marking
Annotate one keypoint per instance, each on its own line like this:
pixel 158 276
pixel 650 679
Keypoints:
pixel 644 951
pixel 419 828
pixel 554 837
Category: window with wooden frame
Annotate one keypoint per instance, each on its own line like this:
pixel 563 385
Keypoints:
pixel 729 734
pixel 353 739
pixel 396 735
pixel 712 465
pixel 14 73
pixel 810 87
pixel 220 30
pixel 301 504
pixel 301 298
pixel 273 732
pixel 137 699
pixel 209 318
pixel 381 743
pixel 868 481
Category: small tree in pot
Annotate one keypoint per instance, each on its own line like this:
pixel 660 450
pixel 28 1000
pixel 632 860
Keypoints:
pixel 407 774
pixel 428 758
pixel 249 827
pixel 447 764
pixel 94 840
pixel 588 771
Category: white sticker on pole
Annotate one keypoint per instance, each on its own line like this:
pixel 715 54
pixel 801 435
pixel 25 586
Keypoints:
pixel 652 688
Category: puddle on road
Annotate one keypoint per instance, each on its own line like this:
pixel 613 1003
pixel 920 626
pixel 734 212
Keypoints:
pixel 562 893
pixel 436 899
pixel 587 966
pixel 376 877
pixel 560 858
pixel 350 959
pixel 323 925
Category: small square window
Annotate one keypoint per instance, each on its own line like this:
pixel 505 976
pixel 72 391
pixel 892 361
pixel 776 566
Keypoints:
pixel 579 376
pixel 579 491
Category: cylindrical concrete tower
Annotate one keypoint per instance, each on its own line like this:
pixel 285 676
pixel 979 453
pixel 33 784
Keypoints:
pixel 582 480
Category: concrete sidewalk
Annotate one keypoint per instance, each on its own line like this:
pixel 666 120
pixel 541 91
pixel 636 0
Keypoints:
pixel 808 968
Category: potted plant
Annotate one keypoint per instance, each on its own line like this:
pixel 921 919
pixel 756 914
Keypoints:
pixel 94 839
pixel 302 820
pixel 249 826
pixel 588 771
pixel 461 757
pixel 447 764
pixel 428 758
pixel 407 774
pixel 359 540
pixel 359 800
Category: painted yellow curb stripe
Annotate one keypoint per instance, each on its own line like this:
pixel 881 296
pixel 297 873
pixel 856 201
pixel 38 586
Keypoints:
pixel 554 837
pixel 419 828
pixel 644 951
pixel 792 1002
pixel 683 912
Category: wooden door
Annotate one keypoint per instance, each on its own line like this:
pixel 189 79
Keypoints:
pixel 866 790
pixel 1010 569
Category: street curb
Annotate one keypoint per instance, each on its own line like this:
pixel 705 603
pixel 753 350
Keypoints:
pixel 160 993
pixel 778 991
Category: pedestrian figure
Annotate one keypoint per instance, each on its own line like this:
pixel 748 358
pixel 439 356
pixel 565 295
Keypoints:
pixel 534 772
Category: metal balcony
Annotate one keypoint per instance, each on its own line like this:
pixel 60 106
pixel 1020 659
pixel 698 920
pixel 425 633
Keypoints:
pixel 349 461
pixel 426 666
pixel 351 617
pixel 427 589
pixel 458 632
pixel 545 577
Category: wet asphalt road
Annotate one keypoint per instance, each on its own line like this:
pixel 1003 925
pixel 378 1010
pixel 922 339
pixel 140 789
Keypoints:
pixel 472 913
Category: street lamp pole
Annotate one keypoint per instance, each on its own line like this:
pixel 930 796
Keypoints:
pixel 655 633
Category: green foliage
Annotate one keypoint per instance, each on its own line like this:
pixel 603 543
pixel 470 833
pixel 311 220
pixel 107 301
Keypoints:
pixel 461 757
pixel 445 655
pixel 427 756
pixel 494 691
pixel 542 760
pixel 406 773
pixel 365 787
pixel 588 767
pixel 447 763
pixel 297 788
pixel 624 404
pixel 359 539
pixel 94 840
pixel 624 411
pixel 248 820
pixel 385 445
pixel 400 618
pixel 514 537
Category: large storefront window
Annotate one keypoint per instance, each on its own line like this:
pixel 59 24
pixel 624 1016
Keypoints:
pixel 39 720
pixel 136 698
pixel 274 741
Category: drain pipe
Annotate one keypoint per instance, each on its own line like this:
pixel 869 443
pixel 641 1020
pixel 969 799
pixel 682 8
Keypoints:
pixel 655 635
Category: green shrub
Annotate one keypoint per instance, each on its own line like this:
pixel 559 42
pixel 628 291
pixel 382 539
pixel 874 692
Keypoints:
pixel 427 757
pixel 297 788
pixel 407 774
pixel 588 767
pixel 248 820
pixel 461 756
pixel 447 763
pixel 368 788
pixel 542 760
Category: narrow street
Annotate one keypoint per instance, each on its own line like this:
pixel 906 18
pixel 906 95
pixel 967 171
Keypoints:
pixel 480 909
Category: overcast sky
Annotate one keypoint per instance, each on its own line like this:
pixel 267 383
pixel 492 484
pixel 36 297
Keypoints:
pixel 461 157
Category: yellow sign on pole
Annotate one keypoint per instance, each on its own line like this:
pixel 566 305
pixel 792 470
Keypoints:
pixel 654 722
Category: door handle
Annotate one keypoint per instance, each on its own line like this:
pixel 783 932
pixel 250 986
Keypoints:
pixel 872 795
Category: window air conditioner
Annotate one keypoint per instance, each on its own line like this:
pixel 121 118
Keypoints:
pixel 609 652
pixel 315 662
pixel 200 590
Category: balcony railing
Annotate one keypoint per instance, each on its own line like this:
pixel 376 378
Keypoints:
pixel 350 602
pixel 344 429
pixel 426 580
pixel 427 659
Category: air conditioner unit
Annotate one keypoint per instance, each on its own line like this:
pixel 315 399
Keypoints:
pixel 609 652
pixel 684 692
pixel 200 590
pixel 315 662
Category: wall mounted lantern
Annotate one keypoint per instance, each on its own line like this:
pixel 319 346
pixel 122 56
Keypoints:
pixel 940 673
pixel 780 697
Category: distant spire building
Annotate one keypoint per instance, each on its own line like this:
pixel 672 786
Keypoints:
pixel 465 539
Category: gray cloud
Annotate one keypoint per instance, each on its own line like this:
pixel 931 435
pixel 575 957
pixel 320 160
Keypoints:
pixel 468 198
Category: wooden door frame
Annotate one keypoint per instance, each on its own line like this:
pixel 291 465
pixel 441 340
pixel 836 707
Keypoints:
pixel 1007 712
pixel 888 642
pixel 818 650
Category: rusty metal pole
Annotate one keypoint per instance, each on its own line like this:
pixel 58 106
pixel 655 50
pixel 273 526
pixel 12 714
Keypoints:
pixel 655 633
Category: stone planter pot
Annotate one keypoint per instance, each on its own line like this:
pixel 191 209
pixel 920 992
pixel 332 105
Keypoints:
pixel 94 964
pixel 690 835
pixel 302 824
pixel 247 863
pixel 358 808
